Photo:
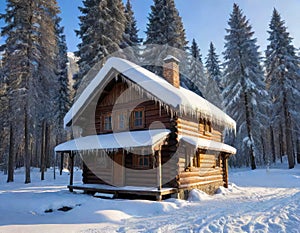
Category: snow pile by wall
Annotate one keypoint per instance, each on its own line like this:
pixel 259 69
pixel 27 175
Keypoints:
pixel 198 195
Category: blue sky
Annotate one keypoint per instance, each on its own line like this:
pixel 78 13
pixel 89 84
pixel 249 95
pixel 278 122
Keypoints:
pixel 204 20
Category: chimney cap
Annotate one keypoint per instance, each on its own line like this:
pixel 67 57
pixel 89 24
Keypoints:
pixel 171 58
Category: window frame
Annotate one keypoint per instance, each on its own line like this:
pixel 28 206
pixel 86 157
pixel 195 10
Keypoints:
pixel 142 155
pixel 207 128
pixel 133 119
pixel 117 117
pixel 104 117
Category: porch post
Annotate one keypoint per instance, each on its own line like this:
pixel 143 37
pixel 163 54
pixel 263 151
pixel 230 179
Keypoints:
pixel 225 169
pixel 158 175
pixel 71 154
pixel 61 163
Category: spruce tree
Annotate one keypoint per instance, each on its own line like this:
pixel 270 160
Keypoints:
pixel 130 35
pixel 4 130
pixel 213 84
pixel 102 25
pixel 62 99
pixel 19 65
pixel 131 41
pixel 283 76
pixel 165 28
pixel 213 65
pixel 196 73
pixel 29 66
pixel 243 83
pixel 165 25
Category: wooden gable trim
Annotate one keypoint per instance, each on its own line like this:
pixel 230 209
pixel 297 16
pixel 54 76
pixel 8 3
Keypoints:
pixel 95 95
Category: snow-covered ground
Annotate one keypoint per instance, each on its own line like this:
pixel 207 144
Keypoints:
pixel 256 201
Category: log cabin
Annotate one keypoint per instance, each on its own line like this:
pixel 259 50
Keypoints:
pixel 142 134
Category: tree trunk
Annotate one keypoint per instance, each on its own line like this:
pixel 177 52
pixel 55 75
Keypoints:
pixel 272 144
pixel 288 135
pixel 280 143
pixel 26 150
pixel 263 149
pixel 248 123
pixel 11 156
pixel 298 151
pixel 43 150
pixel 47 152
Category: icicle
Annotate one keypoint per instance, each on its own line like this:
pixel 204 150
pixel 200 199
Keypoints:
pixel 160 110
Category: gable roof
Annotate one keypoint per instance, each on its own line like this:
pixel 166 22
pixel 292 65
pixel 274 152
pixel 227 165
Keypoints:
pixel 175 99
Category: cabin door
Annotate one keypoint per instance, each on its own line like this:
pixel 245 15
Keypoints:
pixel 118 169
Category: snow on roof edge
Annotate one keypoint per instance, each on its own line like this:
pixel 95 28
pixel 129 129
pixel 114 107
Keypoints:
pixel 208 144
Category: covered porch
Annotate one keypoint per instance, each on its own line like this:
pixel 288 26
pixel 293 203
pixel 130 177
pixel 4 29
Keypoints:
pixel 104 157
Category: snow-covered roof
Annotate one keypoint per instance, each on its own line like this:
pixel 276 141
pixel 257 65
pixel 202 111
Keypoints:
pixel 170 57
pixel 129 139
pixel 177 99
pixel 208 144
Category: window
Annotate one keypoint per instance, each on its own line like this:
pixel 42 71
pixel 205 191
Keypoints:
pixel 205 127
pixel 141 161
pixel 144 161
pixel 138 118
pixel 122 121
pixel 107 123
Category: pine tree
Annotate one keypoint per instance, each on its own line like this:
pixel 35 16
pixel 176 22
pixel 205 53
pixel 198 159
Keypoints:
pixel 243 83
pixel 283 76
pixel 165 28
pixel 62 99
pixel 29 65
pixel 130 35
pixel 196 72
pixel 213 65
pixel 18 63
pixel 4 131
pixel 101 31
pixel 213 84
pixel 165 25
pixel 131 41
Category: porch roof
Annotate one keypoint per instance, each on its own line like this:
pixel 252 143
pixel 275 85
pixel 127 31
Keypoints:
pixel 208 144
pixel 129 139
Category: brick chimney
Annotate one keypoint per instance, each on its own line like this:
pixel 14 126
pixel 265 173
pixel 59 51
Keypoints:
pixel 171 70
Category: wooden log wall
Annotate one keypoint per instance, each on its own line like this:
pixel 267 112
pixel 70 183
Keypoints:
pixel 146 178
pixel 191 127
pixel 154 118
pixel 208 176
pixel 94 175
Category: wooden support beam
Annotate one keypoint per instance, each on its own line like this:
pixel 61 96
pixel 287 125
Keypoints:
pixel 225 169
pixel 158 175
pixel 71 154
pixel 61 163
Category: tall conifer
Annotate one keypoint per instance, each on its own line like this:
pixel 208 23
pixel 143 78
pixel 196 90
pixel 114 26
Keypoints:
pixel 243 84
pixel 283 76
pixel 213 83
pixel 196 72
pixel 29 67
pixel 102 26
pixel 165 28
